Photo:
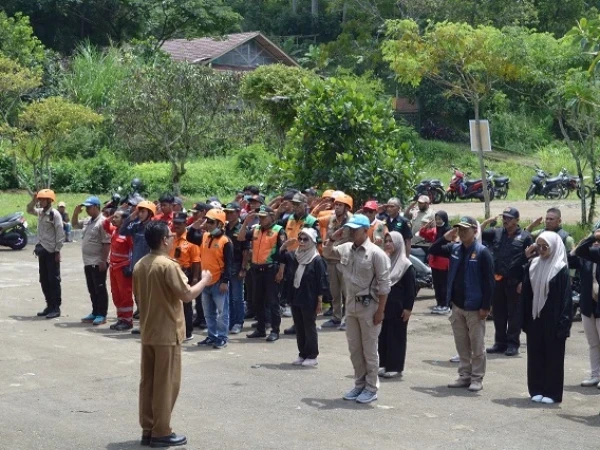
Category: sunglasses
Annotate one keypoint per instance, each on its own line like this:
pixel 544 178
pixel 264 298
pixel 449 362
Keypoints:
pixel 303 239
pixel 544 247
pixel 210 221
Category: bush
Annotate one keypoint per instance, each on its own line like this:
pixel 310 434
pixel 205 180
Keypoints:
pixel 520 132
pixel 7 171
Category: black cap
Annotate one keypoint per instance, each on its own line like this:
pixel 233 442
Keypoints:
pixel 289 195
pixel 213 199
pixel 180 217
pixel 233 206
pixel 466 222
pixel 256 198
pixel 201 207
pixel 265 211
pixel 310 191
pixel 513 213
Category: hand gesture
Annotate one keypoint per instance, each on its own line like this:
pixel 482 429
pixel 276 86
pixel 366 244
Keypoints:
pixel 78 209
pixel 536 222
pixel 531 251
pixel 451 235
pixel 206 276
pixel 338 234
pixel 288 243
pixel 430 224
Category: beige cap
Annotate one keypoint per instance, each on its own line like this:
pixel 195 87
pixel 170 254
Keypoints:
pixel 63 204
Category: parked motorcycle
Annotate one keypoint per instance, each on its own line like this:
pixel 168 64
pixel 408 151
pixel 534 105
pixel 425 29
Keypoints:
pixel 550 188
pixel 462 188
pixel 501 184
pixel 434 189
pixel 418 258
pixel 573 183
pixel 13 231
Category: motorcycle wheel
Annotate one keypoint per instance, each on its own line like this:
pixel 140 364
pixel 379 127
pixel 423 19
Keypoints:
pixel 566 193
pixel 587 192
pixel 22 242
pixel 450 196
pixel 438 196
pixel 502 193
pixel 555 194
pixel 530 193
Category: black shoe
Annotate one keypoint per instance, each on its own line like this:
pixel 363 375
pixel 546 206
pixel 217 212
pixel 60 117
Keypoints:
pixel 196 323
pixel 290 330
pixel 145 441
pixel 329 312
pixel 206 342
pixel 203 325
pixel 249 315
pixel 172 440
pixel 122 325
pixel 273 337
pixel 53 314
pixel 256 334
pixel 135 330
pixel 512 351
pixel 495 349
pixel 136 314
pixel 43 313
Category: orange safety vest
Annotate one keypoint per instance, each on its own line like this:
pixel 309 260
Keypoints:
pixel 264 245
pixel 213 255
pixel 293 228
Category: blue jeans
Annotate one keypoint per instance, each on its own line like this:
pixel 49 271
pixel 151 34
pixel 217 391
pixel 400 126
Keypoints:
pixel 216 312
pixel 236 298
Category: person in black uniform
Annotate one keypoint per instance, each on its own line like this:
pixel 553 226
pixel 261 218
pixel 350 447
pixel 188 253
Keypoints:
pixel 508 244
pixel 395 222
pixel 547 314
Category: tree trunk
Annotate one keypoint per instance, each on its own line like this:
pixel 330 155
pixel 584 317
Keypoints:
pixel 314 8
pixel 486 194
pixel 344 12
pixel 295 6
pixel 175 178
pixel 577 160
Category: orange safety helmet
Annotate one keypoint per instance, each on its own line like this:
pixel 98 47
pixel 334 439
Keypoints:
pixel 148 205
pixel 345 199
pixel 327 193
pixel 216 214
pixel 47 194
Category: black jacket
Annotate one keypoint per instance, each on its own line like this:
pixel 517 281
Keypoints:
pixel 509 252
pixel 588 255
pixel 404 291
pixel 314 281
pixel 559 304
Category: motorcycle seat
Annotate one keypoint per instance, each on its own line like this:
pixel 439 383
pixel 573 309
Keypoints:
pixel 472 182
pixel 10 218
pixel 501 179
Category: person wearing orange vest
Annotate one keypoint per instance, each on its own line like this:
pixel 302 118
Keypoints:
pixel 267 270
pixel 378 229
pixel 166 209
pixel 121 283
pixel 216 253
pixel 188 257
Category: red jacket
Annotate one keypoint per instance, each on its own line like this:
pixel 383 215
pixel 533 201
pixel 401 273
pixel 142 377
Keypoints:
pixel 435 262
pixel 120 246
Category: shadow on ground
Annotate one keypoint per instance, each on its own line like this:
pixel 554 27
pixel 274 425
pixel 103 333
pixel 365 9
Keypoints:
pixel 328 404
pixel 591 421
pixel 444 391
pixel 523 403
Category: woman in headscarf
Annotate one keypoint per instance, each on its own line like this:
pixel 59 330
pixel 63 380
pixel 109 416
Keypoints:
pixel 431 232
pixel 308 287
pixel 400 301
pixel 547 314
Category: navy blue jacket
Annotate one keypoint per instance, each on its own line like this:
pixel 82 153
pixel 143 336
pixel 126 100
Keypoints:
pixel 588 256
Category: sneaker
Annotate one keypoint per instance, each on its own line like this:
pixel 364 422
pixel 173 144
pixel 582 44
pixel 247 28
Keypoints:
pixel 444 310
pixel 310 363
pixel 89 318
pixel 135 330
pixel 290 331
pixel 512 351
pixel 460 383
pixel 329 312
pixel 53 314
pixel 366 396
pixel 99 320
pixel 220 344
pixel 381 371
pixel 236 329
pixel 353 394
pixel 455 359
pixel 593 381
pixel 537 398
pixel 287 312
pixel 208 341
pixel 272 337
pixel 391 374
pixel 43 313
pixel 298 361
pixel 495 349
pixel 342 326
pixel 121 325
pixel 435 309
pixel 475 386
pixel 331 324
pixel 547 401
pixel 188 338
pixel 256 334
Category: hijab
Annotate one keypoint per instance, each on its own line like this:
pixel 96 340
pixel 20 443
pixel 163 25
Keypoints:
pixel 440 231
pixel 542 270
pixel 305 254
pixel 399 262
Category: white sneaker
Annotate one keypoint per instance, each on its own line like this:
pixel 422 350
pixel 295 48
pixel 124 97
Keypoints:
pixel 435 309
pixel 236 329
pixel 455 359
pixel 310 363
pixel 392 374
pixel 342 326
pixel 547 401
pixel 188 338
pixel 593 381
pixel 298 361
pixel 381 371
pixel 444 310
pixel 287 312
pixel 537 398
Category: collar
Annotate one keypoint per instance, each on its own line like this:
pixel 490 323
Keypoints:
pixel 364 245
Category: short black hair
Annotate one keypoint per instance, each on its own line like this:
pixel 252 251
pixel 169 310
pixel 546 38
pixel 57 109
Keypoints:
pixel 167 197
pixel 554 211
pixel 155 232
pixel 254 190
pixel 124 213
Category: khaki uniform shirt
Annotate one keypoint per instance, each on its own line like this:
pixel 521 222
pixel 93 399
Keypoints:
pixel 51 234
pixel 158 285
pixel 418 219
pixel 94 238
pixel 332 227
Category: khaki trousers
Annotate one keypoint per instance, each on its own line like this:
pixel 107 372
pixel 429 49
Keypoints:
pixel 336 286
pixel 363 338
pixel 159 387
pixel 469 337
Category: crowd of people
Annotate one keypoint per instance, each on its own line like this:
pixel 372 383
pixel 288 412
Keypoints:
pixel 248 259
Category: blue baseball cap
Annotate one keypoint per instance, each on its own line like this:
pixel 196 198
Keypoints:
pixel 92 201
pixel 358 221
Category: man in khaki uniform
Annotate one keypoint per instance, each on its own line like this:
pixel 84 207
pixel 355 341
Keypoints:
pixel 367 283
pixel 160 286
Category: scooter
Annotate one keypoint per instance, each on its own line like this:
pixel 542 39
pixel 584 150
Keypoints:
pixel 434 189
pixel 573 183
pixel 501 184
pixel 462 188
pixel 551 188
pixel 13 231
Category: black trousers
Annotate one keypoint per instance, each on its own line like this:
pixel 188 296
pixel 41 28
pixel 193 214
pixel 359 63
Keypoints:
pixel 96 284
pixel 248 297
pixel 545 361
pixel 440 285
pixel 50 278
pixel 265 293
pixel 507 313
pixel 392 339
pixel 307 338
pixel 188 309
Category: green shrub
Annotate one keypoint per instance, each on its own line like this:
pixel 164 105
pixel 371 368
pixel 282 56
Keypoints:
pixel 520 132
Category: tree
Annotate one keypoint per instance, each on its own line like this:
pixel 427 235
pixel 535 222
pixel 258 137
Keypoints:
pixel 19 43
pixel 42 126
pixel 166 112
pixel 344 137
pixel 15 82
pixel 469 63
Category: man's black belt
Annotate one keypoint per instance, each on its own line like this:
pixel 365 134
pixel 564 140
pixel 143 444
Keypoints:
pixel 264 267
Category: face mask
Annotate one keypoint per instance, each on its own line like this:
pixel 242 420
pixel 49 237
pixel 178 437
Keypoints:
pixel 215 232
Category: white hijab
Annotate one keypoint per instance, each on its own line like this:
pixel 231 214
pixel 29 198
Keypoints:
pixel 399 262
pixel 305 254
pixel 541 271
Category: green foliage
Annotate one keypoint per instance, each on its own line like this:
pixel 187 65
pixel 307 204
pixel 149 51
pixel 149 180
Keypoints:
pixel 15 82
pixel 18 42
pixel 345 138
pixel 520 132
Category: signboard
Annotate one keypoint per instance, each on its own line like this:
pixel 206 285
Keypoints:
pixel 486 140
